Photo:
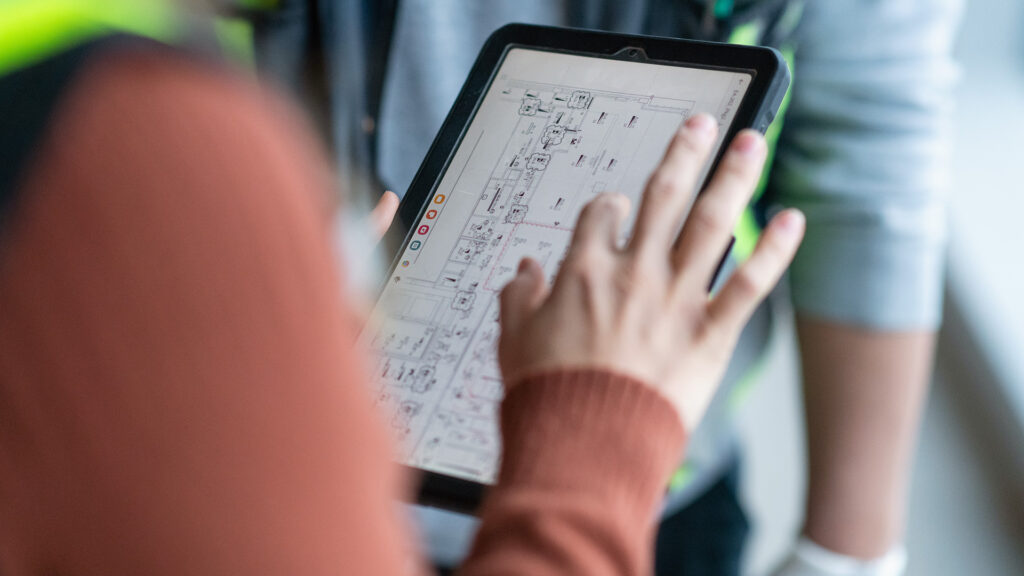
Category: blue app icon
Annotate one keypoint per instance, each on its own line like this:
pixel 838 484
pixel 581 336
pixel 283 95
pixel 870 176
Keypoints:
pixel 415 245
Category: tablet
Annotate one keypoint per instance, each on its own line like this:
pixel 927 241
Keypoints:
pixel 547 119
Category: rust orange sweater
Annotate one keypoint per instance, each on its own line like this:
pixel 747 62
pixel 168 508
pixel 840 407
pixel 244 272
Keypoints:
pixel 179 393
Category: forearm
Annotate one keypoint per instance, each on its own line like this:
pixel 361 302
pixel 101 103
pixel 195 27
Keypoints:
pixel 587 456
pixel 863 393
pixel 865 155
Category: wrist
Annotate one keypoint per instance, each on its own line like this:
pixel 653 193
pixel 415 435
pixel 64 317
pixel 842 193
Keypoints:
pixel 590 431
pixel 861 520
pixel 811 559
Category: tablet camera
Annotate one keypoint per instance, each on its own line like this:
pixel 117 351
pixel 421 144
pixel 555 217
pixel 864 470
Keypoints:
pixel 632 53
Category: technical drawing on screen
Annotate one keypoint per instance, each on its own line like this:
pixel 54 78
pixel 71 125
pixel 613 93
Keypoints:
pixel 553 131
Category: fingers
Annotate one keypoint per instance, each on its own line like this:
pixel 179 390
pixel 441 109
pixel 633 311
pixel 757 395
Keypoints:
pixel 600 224
pixel 708 228
pixel 383 214
pixel 522 295
pixel 752 281
pixel 672 185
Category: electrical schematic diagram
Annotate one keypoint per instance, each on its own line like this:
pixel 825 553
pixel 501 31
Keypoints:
pixel 554 148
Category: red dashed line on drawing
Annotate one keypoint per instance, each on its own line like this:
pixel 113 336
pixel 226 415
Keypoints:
pixel 504 248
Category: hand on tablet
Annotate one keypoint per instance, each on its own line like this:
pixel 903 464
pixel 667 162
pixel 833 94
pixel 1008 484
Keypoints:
pixel 642 309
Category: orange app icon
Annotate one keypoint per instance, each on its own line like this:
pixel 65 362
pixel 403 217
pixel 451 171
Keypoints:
pixel 431 214
pixel 439 199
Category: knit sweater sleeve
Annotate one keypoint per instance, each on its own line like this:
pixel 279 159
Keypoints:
pixel 587 454
pixel 179 391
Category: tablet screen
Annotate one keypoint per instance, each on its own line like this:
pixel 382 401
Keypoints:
pixel 552 131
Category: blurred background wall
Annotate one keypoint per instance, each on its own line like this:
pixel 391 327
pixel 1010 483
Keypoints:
pixel 967 494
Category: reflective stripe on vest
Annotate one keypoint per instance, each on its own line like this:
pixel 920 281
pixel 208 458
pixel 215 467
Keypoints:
pixel 235 30
pixel 33 30
pixel 748 229
pixel 35 37
pixel 39 44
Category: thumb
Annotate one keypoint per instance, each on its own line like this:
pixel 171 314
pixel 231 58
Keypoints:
pixel 383 214
pixel 522 295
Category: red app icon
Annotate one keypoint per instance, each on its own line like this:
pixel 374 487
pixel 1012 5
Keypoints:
pixel 423 229
pixel 431 214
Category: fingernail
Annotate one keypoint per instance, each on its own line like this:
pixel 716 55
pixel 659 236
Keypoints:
pixel 792 221
pixel 701 124
pixel 621 201
pixel 747 142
